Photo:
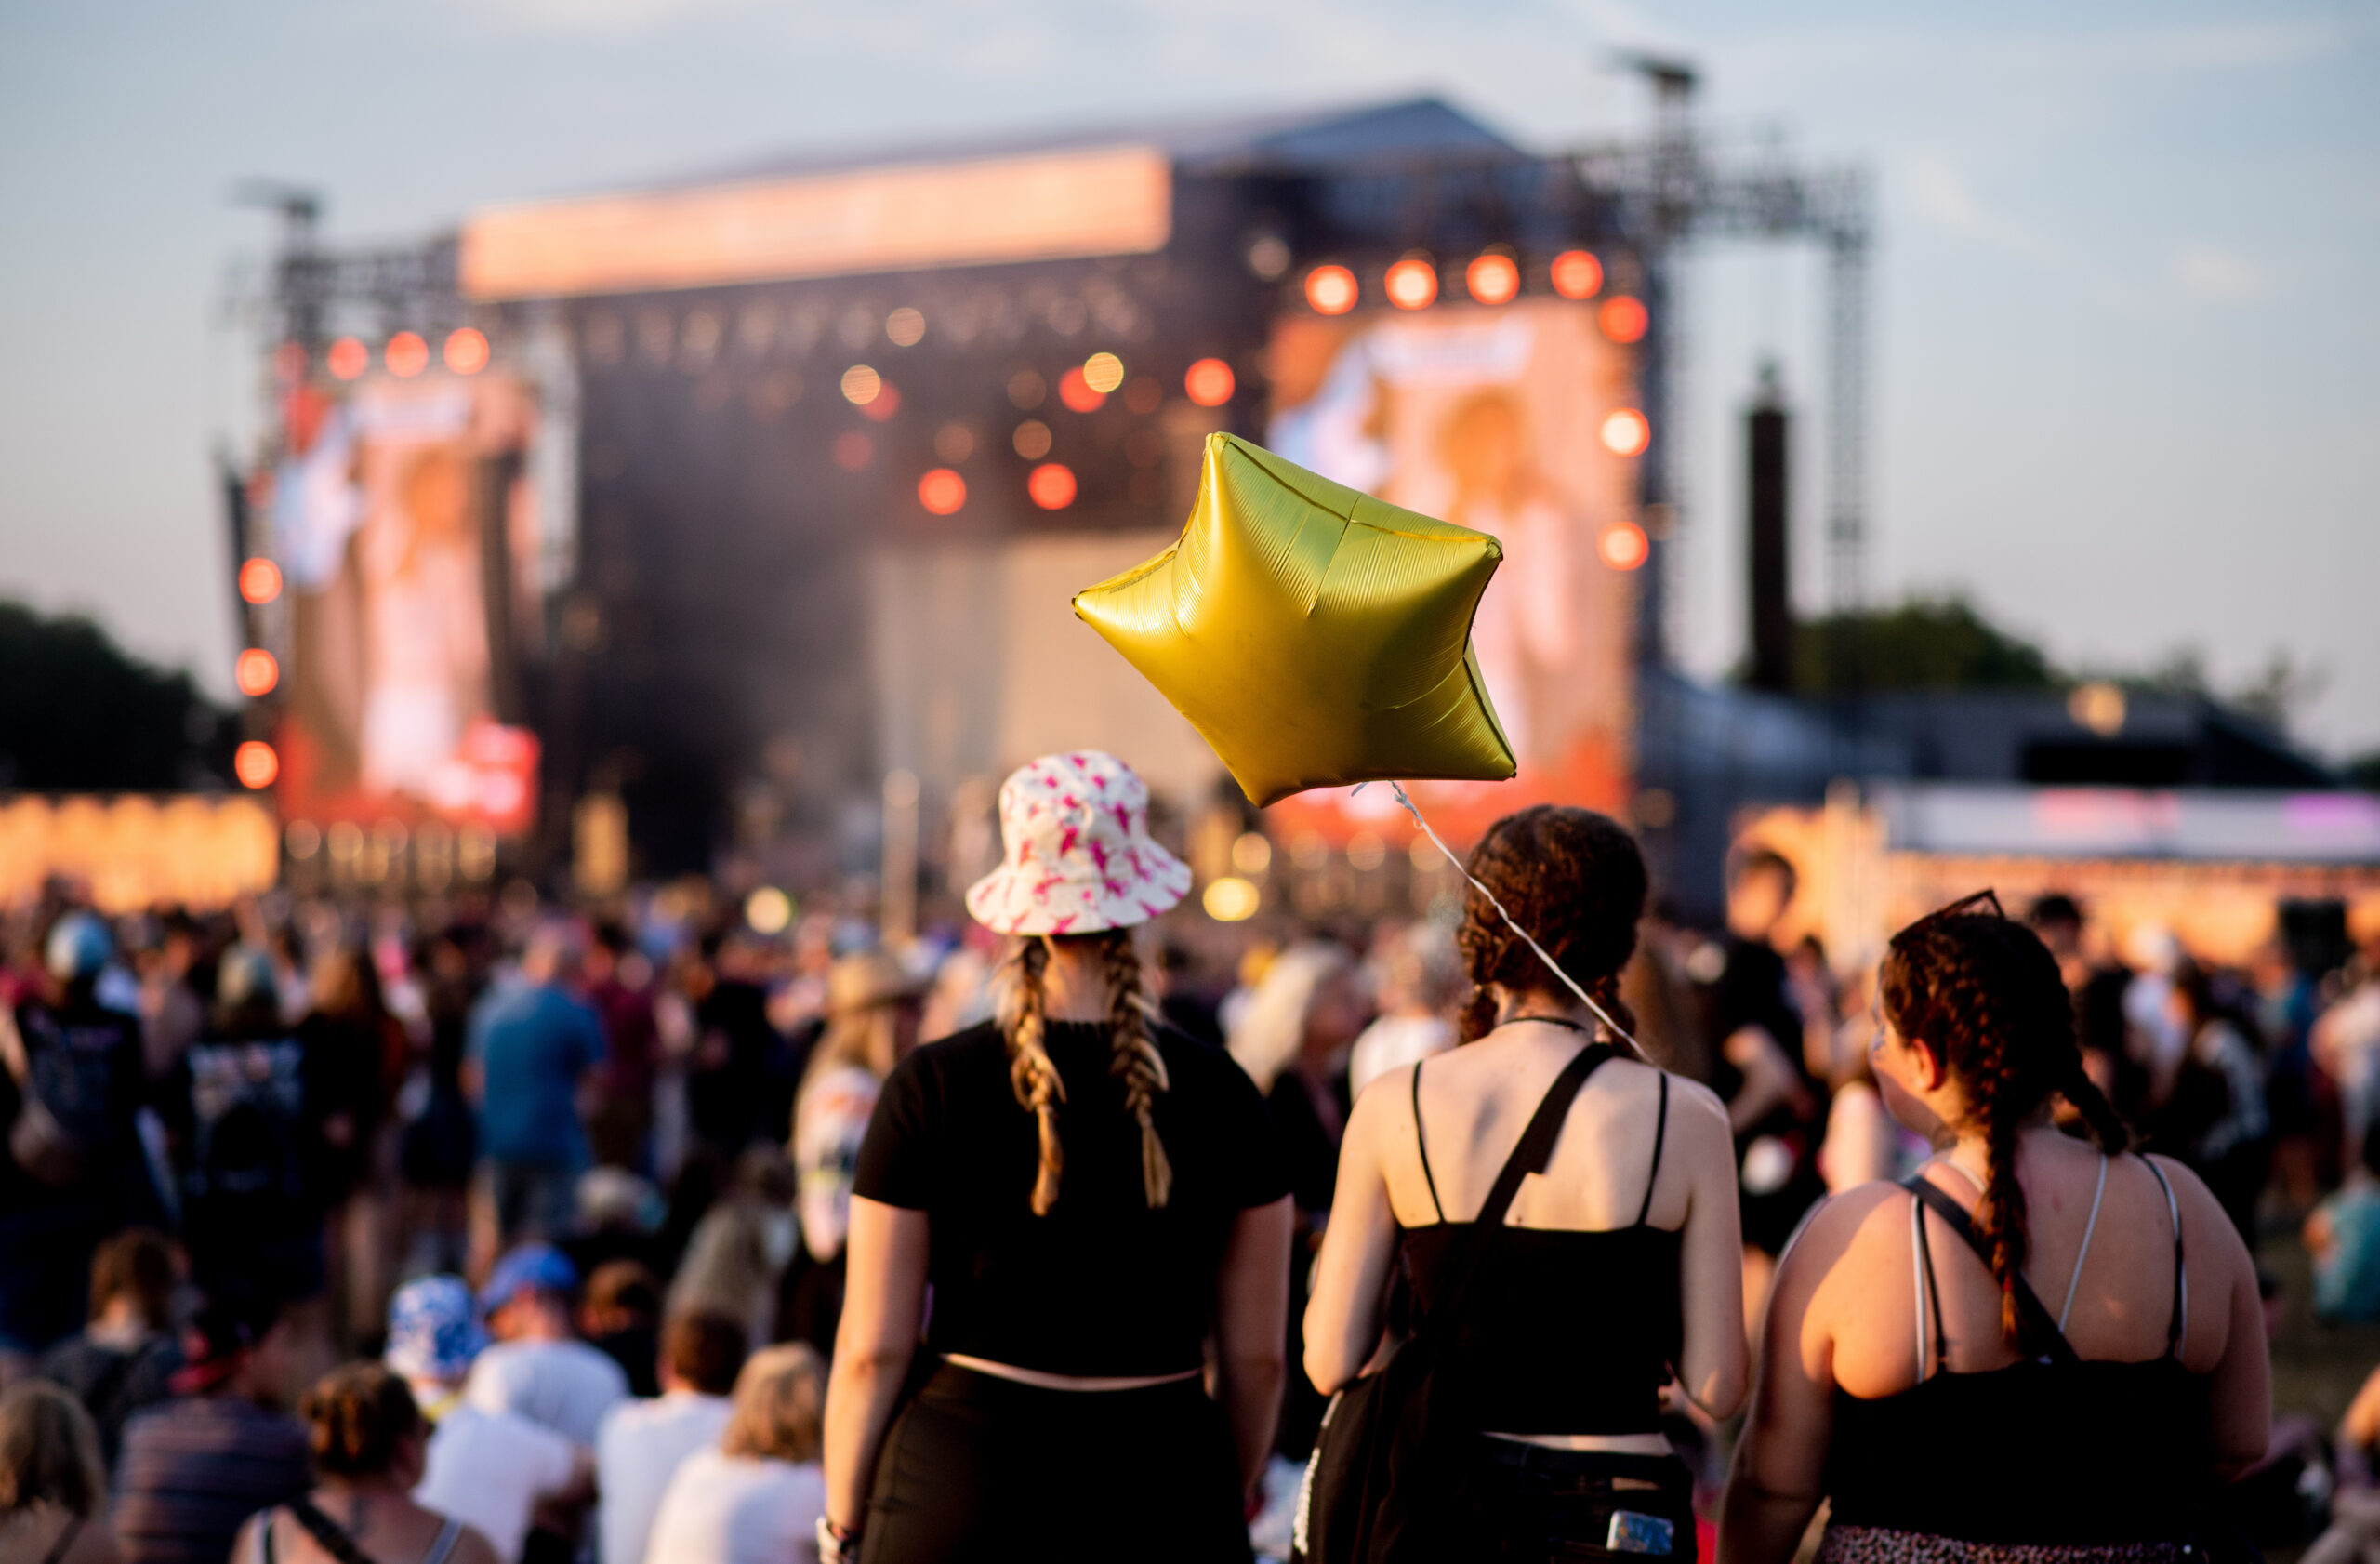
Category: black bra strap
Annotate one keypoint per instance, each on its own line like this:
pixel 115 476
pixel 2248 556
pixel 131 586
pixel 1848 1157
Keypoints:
pixel 2176 1321
pixel 1422 1148
pixel 1661 1131
pixel 1933 1294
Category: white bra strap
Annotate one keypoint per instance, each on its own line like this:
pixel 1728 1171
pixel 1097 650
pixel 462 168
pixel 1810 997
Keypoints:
pixel 442 1548
pixel 2084 1253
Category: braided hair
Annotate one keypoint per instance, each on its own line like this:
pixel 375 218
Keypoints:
pixel 1576 881
pixel 1984 992
pixel 1020 986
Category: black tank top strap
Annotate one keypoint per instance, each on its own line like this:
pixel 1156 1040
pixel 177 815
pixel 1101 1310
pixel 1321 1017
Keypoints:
pixel 1931 1290
pixel 1421 1148
pixel 2178 1322
pixel 1660 1132
pixel 2037 1330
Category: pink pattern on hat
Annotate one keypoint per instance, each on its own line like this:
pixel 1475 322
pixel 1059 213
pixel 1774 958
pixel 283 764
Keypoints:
pixel 1077 822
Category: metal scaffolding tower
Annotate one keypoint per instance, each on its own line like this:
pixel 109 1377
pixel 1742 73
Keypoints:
pixel 1676 189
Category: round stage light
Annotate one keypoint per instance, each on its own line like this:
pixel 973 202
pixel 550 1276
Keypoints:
pixel 767 910
pixel 1103 371
pixel 1626 434
pixel 406 354
pixel 1411 283
pixel 259 581
pixel 905 326
pixel 862 385
pixel 466 350
pixel 1079 395
pixel 954 443
pixel 1330 290
pixel 255 672
pixel 1051 485
pixel 1031 439
pixel 1493 279
pixel 348 358
pixel 255 765
pixel 1231 899
pixel 1624 319
pixel 854 450
pixel 1578 274
pixel 1624 546
pixel 942 492
pixel 1210 382
pixel 886 402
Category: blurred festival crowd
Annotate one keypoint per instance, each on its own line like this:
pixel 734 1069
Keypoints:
pixel 566 1189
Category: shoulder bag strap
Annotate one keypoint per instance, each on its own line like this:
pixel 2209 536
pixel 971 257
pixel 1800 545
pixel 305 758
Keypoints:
pixel 327 1534
pixel 2036 1327
pixel 1528 1157
pixel 64 1543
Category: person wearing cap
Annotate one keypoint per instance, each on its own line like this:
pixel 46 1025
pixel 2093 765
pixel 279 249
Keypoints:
pixel 191 1471
pixel 490 1469
pixel 1091 1197
pixel 71 1081
pixel 539 1366
pixel 871 1025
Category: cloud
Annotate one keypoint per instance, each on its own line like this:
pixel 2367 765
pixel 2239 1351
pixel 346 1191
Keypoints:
pixel 1940 193
pixel 593 19
pixel 2224 276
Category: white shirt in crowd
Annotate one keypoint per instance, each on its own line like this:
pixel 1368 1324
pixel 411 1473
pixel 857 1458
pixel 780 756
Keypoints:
pixel 1391 1042
pixel 489 1468
pixel 638 1450
pixel 733 1509
pixel 567 1386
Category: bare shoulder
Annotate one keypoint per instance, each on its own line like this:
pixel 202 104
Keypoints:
pixel 1693 1103
pixel 1384 1108
pixel 1840 1225
pixel 2206 1228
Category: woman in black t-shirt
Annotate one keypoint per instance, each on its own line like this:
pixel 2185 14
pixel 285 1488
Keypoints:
pixel 1086 1197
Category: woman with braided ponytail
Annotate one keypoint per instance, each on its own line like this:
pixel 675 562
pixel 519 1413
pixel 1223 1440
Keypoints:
pixel 1915 1371
pixel 1092 1198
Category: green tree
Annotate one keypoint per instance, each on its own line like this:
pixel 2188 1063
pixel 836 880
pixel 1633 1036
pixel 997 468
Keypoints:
pixel 1921 643
pixel 78 713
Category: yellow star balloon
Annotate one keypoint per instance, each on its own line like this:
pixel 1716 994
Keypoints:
pixel 1314 636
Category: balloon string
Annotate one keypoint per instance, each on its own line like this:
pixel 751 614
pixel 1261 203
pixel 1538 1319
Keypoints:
pixel 1551 965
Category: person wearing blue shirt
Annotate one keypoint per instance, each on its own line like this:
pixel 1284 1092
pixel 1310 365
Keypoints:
pixel 529 1044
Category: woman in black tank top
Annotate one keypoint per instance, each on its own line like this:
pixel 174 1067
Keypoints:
pixel 1616 1270
pixel 1911 1371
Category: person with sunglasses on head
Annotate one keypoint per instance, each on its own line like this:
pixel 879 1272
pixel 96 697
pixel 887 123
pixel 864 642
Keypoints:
pixel 2036 1347
pixel 1093 1197
pixel 1615 1266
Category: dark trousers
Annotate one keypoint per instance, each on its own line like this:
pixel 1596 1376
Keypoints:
pixel 975 1468
pixel 1521 1504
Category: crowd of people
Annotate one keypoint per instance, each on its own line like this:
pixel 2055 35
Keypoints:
pixel 632 1232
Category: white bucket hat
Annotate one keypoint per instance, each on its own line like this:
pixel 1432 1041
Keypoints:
pixel 1077 853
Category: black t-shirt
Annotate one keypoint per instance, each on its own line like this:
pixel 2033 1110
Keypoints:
pixel 1102 1285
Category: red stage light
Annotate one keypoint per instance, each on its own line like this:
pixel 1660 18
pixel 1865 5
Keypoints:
pixel 255 765
pixel 1624 319
pixel 406 354
pixel 1052 485
pixel 259 581
pixel 1624 546
pixel 348 358
pixel 1493 279
pixel 1626 434
pixel 1330 289
pixel 1413 283
pixel 1578 274
pixel 942 491
pixel 884 404
pixel 854 450
pixel 1079 395
pixel 1210 382
pixel 466 350
pixel 256 673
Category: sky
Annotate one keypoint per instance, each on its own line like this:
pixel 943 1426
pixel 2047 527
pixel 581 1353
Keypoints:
pixel 2125 372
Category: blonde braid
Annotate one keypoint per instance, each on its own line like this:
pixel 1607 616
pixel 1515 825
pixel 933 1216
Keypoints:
pixel 1136 1061
pixel 1031 1072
